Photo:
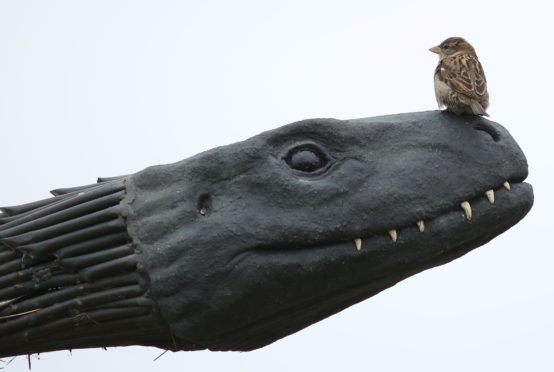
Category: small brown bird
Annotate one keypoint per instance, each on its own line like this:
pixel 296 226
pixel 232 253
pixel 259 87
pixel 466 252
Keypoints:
pixel 460 82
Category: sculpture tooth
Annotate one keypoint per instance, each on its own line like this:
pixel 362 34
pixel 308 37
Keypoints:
pixel 467 209
pixel 358 243
pixel 490 196
pixel 421 225
pixel 507 186
pixel 393 235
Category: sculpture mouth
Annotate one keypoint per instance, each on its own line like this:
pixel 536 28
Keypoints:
pixel 464 207
pixel 411 250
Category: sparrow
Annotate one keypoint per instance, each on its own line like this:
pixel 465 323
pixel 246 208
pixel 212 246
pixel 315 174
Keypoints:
pixel 460 83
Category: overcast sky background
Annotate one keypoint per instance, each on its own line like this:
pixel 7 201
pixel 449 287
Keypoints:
pixel 103 88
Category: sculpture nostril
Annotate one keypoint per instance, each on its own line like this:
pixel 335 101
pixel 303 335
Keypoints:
pixel 204 204
pixel 489 129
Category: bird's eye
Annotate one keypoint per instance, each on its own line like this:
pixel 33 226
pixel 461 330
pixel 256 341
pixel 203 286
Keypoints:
pixel 445 47
pixel 307 158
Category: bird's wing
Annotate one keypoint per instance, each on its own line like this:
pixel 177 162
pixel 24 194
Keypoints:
pixel 464 74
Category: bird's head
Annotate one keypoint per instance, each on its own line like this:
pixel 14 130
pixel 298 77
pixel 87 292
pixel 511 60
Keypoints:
pixel 452 46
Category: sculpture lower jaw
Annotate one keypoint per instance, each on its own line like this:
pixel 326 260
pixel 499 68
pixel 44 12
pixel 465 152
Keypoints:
pixel 399 259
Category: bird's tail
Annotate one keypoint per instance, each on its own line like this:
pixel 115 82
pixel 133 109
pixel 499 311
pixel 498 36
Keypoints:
pixel 477 108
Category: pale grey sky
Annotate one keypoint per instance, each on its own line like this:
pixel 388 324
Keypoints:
pixel 102 88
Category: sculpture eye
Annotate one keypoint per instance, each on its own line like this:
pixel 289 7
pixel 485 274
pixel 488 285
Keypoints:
pixel 307 158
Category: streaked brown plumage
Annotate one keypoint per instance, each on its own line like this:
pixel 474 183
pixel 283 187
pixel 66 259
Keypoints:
pixel 460 83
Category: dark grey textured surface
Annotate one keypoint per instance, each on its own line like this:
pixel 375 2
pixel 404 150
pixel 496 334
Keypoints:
pixel 275 252
pixel 234 249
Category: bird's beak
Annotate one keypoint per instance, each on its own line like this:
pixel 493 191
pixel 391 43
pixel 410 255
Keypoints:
pixel 436 49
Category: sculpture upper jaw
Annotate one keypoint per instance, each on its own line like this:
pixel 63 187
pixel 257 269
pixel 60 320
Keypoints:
pixel 466 206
